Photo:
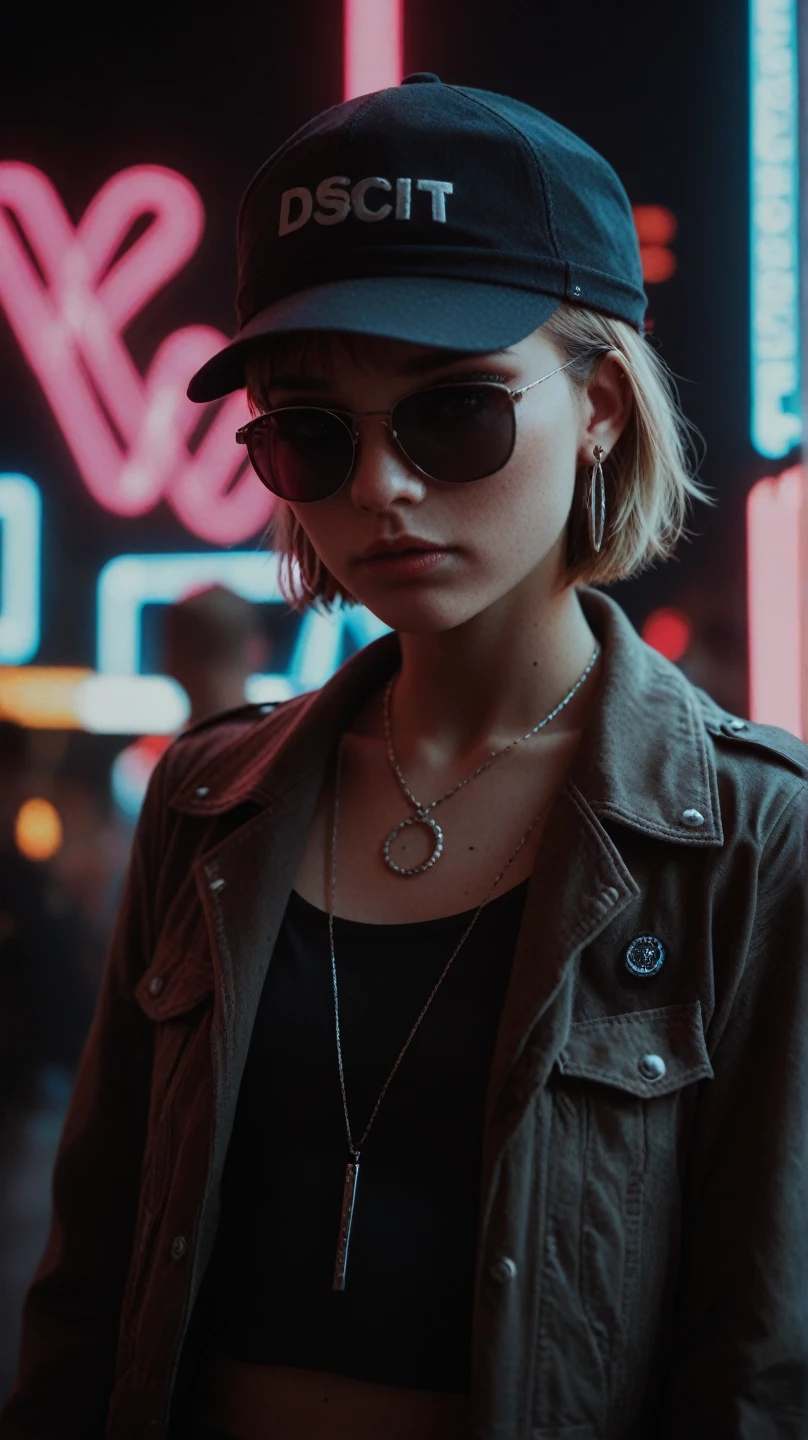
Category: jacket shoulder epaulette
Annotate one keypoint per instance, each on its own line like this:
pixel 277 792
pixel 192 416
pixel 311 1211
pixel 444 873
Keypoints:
pixel 772 741
pixel 240 714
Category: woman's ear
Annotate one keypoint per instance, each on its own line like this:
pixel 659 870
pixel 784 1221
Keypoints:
pixel 607 404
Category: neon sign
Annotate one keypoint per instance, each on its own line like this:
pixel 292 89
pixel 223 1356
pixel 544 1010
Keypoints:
pixel 775 528
pixel 776 421
pixel 129 582
pixel 132 438
pixel 373 43
pixel 20 565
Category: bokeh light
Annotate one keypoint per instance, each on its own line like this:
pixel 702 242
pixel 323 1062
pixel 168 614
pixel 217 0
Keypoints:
pixel 38 829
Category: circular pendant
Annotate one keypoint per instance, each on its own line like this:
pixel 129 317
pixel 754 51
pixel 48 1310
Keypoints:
pixel 436 853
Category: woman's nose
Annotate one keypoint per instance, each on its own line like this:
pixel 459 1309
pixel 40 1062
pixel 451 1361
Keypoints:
pixel 381 471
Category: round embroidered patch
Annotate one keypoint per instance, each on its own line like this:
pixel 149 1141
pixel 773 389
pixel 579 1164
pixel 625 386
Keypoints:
pixel 645 955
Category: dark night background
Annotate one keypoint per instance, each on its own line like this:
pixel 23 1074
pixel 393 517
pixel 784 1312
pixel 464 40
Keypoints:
pixel 661 91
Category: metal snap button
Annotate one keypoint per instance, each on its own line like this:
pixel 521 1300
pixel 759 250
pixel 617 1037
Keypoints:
pixel 693 817
pixel 156 985
pixel 652 1067
pixel 645 955
pixel 503 1269
pixel 202 790
pixel 178 1248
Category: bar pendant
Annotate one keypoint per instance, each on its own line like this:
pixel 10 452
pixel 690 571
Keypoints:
pixel 348 1198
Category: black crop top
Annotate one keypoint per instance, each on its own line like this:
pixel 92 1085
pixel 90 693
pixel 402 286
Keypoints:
pixel 404 1317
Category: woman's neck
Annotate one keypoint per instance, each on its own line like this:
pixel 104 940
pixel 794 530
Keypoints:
pixel 464 692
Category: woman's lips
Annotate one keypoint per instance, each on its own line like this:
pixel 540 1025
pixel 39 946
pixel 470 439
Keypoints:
pixel 405 562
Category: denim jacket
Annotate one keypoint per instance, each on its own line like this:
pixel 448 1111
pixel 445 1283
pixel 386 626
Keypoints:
pixel 642 1257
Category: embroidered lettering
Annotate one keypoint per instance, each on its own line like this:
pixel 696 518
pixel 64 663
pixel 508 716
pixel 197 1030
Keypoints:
pixel 403 199
pixel 298 192
pixel 333 199
pixel 438 189
pixel 360 209
pixel 336 199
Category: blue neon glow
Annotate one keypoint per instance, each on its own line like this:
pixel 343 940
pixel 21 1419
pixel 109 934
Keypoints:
pixel 129 582
pixel 20 568
pixel 774 199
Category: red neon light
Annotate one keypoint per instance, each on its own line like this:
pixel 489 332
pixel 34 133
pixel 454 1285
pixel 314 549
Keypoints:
pixel 656 227
pixel 132 437
pixel 373 45
pixel 669 631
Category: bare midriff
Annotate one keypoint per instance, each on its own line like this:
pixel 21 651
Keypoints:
pixel 280 1402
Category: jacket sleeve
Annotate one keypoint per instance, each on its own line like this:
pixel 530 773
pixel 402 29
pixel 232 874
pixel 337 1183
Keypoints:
pixel 739 1362
pixel 71 1312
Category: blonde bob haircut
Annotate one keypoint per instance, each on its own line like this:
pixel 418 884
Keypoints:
pixel 649 475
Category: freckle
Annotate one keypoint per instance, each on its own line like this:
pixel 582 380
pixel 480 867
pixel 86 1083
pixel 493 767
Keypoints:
pixel 535 662
pixel 471 847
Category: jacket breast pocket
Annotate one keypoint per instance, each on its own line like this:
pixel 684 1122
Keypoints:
pixel 622 1094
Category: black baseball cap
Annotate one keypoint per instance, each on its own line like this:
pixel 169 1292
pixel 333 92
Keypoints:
pixel 438 214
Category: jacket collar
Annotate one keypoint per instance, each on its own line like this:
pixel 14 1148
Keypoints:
pixel 645 758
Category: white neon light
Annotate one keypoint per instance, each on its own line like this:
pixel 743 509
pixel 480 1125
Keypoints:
pixel 775 353
pixel 20 564
pixel 129 582
pixel 131 705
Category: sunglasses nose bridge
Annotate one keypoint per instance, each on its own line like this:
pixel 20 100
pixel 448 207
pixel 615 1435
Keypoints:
pixel 383 415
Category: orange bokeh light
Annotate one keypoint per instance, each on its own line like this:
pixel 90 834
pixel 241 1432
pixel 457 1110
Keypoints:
pixel 38 829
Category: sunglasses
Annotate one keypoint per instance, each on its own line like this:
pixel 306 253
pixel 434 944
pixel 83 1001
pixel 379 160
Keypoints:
pixel 453 433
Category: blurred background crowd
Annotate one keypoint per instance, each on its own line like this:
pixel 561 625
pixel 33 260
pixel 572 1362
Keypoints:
pixel 122 619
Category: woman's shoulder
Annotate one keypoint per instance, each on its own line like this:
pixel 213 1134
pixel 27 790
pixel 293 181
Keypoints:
pixel 761 774
pixel 224 746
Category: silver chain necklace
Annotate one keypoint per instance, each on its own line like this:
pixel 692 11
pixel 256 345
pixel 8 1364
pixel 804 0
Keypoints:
pixel 352 1168
pixel 422 816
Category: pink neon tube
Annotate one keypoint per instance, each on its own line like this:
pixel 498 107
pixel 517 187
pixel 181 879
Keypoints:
pixel 135 439
pixel 373 45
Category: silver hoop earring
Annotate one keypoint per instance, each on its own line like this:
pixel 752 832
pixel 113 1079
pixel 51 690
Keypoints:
pixel 596 509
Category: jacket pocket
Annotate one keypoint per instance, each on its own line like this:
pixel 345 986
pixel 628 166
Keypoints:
pixel 175 982
pixel 622 1091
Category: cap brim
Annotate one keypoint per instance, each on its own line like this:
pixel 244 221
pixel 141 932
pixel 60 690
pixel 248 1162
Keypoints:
pixel 447 314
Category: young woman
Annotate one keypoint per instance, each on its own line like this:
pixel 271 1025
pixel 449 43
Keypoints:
pixel 450 1072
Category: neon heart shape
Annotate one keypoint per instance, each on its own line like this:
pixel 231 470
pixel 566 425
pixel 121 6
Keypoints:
pixel 131 437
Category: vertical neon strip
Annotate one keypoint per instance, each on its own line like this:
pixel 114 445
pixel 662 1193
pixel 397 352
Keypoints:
pixel 774 512
pixel 774 201
pixel 20 565
pixel 372 45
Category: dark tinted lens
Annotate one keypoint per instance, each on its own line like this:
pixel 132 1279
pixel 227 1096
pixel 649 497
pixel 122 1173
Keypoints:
pixel 301 453
pixel 457 432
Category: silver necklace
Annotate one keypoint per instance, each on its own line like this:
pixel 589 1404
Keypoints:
pixel 352 1168
pixel 422 816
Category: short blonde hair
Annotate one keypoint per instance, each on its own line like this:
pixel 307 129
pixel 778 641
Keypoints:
pixel 650 474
